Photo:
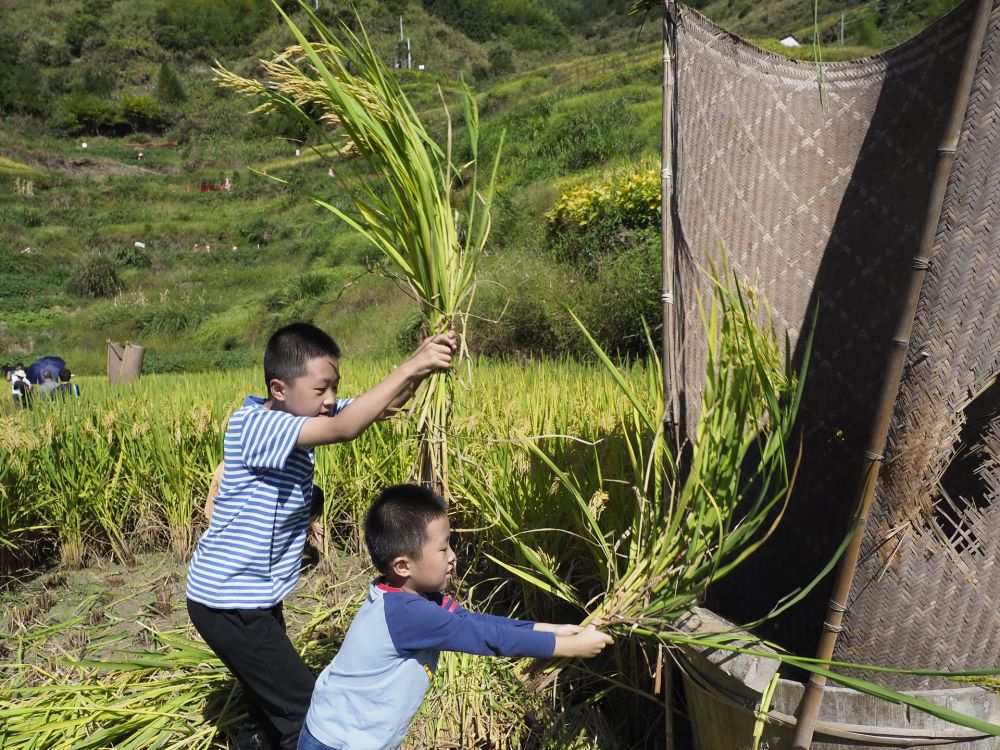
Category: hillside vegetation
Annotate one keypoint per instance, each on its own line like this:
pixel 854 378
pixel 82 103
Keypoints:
pixel 574 84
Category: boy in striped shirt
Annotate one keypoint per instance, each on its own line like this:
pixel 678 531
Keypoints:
pixel 248 559
pixel 367 696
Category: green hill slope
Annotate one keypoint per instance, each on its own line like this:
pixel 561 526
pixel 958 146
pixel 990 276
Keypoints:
pixel 573 83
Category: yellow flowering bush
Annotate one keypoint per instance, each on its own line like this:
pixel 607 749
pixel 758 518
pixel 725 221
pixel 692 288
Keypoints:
pixel 613 220
pixel 632 201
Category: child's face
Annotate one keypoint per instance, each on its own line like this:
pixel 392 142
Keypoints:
pixel 437 560
pixel 311 394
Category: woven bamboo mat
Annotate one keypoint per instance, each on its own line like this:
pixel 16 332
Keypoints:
pixel 817 201
pixel 927 591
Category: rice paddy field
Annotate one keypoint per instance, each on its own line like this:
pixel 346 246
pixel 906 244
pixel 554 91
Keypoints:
pixel 102 499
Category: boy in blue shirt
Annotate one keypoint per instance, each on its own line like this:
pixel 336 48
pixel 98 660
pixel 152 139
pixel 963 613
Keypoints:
pixel 367 696
pixel 248 559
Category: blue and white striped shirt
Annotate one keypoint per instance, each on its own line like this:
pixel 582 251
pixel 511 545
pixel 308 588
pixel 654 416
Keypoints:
pixel 249 558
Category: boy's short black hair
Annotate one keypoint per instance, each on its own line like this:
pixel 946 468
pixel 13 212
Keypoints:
pixel 290 348
pixel 65 374
pixel 19 366
pixel 396 523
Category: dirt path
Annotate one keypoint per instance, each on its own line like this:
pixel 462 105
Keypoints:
pixel 83 165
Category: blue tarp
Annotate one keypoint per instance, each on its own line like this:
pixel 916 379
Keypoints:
pixel 37 369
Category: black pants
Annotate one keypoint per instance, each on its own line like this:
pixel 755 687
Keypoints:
pixel 254 645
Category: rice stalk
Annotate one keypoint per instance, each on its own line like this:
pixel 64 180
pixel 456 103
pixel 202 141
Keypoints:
pixel 473 702
pixel 76 472
pixel 148 700
pixel 655 541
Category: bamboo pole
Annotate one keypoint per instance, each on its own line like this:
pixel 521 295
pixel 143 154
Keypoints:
pixel 671 346
pixel 813 696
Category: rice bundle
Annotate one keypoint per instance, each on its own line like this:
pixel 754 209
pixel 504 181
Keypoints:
pixel 639 558
pixel 404 206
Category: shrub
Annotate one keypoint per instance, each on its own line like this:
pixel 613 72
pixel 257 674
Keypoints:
pixel 81 113
pixel 408 335
pixel 520 305
pixel 527 316
pixel 21 88
pixel 183 25
pixel 865 31
pixel 229 328
pixel 130 256
pixel 463 15
pixel 522 22
pixel 49 54
pixel 119 53
pixel 270 125
pixel 140 112
pixel 501 58
pixel 93 82
pixel 16 289
pixel 96 277
pixel 590 222
pixel 170 317
pixel 259 231
pixel 199 361
pixel 302 287
pixel 626 293
pixel 598 130
pixel 19 217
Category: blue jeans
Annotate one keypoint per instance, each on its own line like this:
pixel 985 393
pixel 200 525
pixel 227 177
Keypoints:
pixel 308 742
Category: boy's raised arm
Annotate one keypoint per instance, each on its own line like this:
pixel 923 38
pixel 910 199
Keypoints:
pixel 433 354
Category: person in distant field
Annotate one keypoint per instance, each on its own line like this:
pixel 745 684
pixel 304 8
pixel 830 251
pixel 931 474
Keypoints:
pixel 66 389
pixel 20 386
pixel 48 385
pixel 249 558
pixel 367 696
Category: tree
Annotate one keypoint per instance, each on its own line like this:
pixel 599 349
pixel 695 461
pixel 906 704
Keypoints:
pixel 79 29
pixel 501 58
pixel 21 88
pixel 168 86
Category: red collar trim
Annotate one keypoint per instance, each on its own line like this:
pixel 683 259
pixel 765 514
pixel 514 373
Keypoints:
pixel 386 587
